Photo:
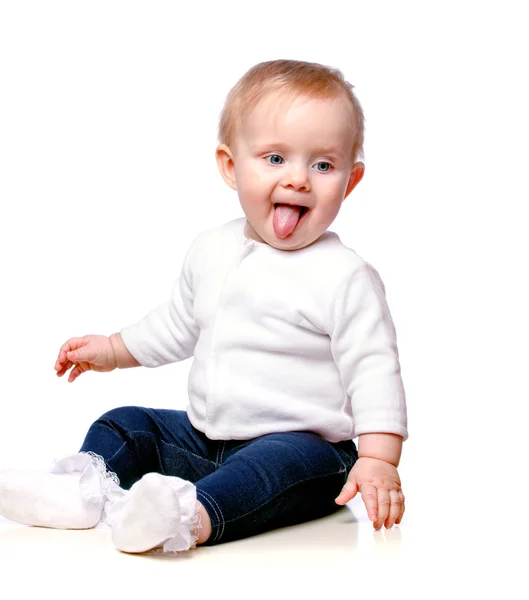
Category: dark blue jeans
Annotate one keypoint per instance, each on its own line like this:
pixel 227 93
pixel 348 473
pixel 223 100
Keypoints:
pixel 246 486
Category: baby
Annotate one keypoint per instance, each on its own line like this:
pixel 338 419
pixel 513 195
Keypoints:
pixel 294 352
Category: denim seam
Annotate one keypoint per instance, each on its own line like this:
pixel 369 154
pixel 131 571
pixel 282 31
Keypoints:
pixel 279 494
pixel 212 502
pixel 222 453
pixel 220 529
pixel 206 501
pixel 188 451
pixel 116 452
pixel 130 433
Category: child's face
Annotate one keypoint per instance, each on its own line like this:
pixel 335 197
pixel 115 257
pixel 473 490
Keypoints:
pixel 299 156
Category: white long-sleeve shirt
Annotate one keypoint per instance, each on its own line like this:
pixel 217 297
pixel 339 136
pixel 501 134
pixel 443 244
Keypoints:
pixel 282 340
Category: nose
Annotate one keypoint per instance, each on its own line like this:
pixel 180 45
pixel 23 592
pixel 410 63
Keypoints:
pixel 296 177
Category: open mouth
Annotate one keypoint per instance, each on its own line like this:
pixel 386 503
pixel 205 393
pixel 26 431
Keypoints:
pixel 288 218
pixel 303 211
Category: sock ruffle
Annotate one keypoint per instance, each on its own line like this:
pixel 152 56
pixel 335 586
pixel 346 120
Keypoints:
pixel 97 484
pixel 190 524
pixel 160 513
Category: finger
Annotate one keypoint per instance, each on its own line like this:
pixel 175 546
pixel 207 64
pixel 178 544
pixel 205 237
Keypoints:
pixel 80 355
pixel 369 496
pixel 75 356
pixel 59 363
pixel 395 508
pixel 64 368
pixel 348 492
pixel 75 372
pixel 383 507
pixel 71 345
pixel 403 508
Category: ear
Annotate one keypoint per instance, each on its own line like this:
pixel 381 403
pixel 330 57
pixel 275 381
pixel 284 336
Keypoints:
pixel 357 172
pixel 226 165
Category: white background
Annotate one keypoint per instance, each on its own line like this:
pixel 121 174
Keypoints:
pixel 108 117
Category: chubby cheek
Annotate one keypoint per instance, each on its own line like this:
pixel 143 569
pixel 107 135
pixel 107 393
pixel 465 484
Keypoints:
pixel 320 219
pixel 324 215
pixel 256 190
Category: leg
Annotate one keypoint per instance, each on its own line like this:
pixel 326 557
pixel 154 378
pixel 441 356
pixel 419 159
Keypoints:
pixel 156 454
pixel 79 492
pixel 134 441
pixel 205 531
pixel 274 481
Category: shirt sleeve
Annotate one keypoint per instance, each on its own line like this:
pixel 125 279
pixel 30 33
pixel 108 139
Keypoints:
pixel 364 347
pixel 168 333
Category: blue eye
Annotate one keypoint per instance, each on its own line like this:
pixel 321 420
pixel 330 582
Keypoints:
pixel 327 169
pixel 275 156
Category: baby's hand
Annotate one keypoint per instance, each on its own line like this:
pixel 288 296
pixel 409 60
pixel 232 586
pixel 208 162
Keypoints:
pixel 88 353
pixel 379 483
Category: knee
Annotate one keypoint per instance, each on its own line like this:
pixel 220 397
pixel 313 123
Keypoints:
pixel 117 416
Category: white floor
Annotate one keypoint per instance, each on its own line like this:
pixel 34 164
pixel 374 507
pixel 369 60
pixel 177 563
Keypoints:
pixel 337 557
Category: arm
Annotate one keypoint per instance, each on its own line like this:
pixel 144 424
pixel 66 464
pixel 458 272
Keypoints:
pixel 381 446
pixel 364 346
pixel 93 353
pixel 123 357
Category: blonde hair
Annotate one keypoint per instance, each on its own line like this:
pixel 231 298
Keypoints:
pixel 290 78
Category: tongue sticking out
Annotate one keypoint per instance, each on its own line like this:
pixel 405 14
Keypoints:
pixel 285 219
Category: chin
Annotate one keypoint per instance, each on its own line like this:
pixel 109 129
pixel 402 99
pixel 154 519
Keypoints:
pixel 290 243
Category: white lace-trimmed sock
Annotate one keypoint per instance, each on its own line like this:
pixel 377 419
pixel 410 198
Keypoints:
pixel 74 494
pixel 158 513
